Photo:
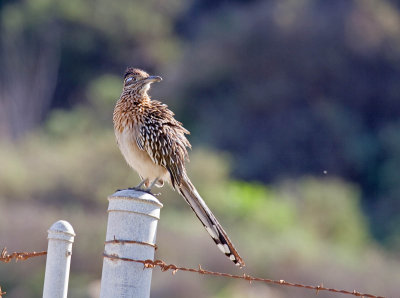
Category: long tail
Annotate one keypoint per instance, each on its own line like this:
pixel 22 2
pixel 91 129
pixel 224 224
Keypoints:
pixel 209 221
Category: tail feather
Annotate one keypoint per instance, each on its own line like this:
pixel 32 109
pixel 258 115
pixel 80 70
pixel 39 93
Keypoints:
pixel 209 221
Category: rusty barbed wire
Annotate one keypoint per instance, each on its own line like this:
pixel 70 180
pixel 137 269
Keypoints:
pixel 166 267
pixel 19 256
pixel 118 241
pixel 6 257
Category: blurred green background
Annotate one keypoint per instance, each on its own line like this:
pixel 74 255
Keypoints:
pixel 293 106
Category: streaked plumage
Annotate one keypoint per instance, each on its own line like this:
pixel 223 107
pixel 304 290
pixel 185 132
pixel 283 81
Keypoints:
pixel 153 143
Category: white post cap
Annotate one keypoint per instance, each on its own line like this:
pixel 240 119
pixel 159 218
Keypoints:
pixel 61 230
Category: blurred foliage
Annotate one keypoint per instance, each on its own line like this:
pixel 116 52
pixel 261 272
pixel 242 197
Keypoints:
pixel 294 88
pixel 293 108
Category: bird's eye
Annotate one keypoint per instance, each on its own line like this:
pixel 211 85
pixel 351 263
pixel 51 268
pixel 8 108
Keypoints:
pixel 130 79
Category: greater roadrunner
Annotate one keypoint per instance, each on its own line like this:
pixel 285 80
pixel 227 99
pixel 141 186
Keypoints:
pixel 154 144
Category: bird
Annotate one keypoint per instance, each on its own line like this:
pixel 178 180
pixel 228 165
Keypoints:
pixel 154 144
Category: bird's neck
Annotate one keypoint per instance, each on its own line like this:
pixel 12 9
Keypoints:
pixel 135 96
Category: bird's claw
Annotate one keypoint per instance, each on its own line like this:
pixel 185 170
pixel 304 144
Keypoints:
pixel 135 188
pixel 146 190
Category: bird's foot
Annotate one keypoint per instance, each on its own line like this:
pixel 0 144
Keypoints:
pixel 148 189
pixel 129 188
pixel 139 187
pixel 136 188
pixel 145 182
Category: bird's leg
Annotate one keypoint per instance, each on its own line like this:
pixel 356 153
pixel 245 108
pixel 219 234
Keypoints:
pixel 151 186
pixel 147 189
pixel 143 182
pixel 139 186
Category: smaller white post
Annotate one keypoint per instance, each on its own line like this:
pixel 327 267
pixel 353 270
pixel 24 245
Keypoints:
pixel 61 236
pixel 131 233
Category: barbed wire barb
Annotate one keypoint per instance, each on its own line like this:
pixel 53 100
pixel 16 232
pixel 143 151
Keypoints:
pixel 19 256
pixel 7 257
pixel 165 267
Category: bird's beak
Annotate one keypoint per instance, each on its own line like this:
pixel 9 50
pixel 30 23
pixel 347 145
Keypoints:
pixel 153 79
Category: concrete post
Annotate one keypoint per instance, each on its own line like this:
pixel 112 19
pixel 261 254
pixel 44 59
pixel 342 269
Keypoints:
pixel 131 233
pixel 61 236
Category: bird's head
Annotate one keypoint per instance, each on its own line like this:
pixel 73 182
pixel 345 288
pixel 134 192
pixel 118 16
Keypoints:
pixel 138 79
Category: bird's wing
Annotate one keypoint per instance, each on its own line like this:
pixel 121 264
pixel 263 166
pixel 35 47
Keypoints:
pixel 163 138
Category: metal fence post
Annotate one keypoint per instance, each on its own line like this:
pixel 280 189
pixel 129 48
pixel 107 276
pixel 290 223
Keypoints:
pixel 131 233
pixel 61 236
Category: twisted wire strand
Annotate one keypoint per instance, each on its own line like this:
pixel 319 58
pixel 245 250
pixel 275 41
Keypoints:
pixel 22 256
pixel 19 256
pixel 166 267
